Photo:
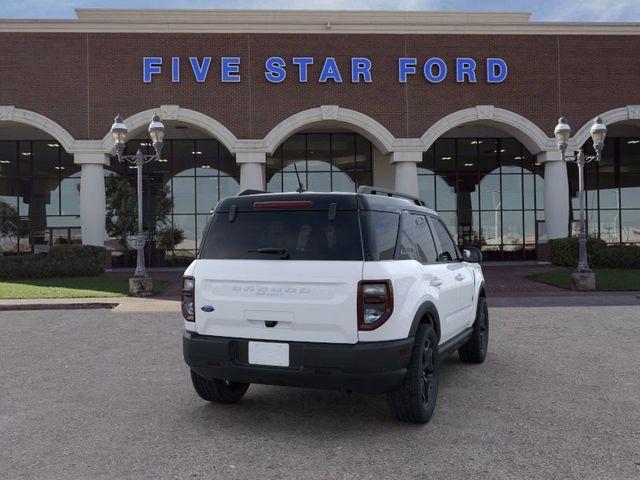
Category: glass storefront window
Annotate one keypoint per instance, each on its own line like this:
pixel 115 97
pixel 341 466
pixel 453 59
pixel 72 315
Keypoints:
pixel 426 185
pixel 612 191
pixel 512 192
pixel 511 155
pixel 445 155
pixel 489 189
pixel 490 193
pixel 207 194
pixel 445 195
pixel 512 230
pixel 39 195
pixel 630 224
pixel 325 162
pixel 610 226
pixel 194 175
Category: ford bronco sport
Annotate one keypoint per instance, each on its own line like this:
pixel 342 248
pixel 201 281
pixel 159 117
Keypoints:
pixel 362 292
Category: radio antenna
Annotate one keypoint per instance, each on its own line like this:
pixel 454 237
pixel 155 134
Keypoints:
pixel 300 187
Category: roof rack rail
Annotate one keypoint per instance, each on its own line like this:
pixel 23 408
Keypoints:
pixel 390 193
pixel 249 191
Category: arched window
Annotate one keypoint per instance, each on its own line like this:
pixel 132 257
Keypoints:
pixel 39 195
pixel 194 174
pixel 325 162
pixel 489 192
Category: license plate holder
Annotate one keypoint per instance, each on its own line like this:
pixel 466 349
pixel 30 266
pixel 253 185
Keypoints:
pixel 273 354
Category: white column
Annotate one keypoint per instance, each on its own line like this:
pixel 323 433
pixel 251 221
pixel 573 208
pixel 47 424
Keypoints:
pixel 556 194
pixel 406 166
pixel 384 173
pixel 92 197
pixel 251 169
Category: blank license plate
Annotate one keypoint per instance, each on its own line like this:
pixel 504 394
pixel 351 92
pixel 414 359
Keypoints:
pixel 269 353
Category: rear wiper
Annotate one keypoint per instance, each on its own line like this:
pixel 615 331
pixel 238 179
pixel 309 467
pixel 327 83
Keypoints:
pixel 284 254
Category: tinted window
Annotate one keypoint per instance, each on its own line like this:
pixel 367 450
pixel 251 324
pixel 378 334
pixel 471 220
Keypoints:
pixel 425 246
pixel 415 241
pixel 304 235
pixel 406 243
pixel 381 234
pixel 449 251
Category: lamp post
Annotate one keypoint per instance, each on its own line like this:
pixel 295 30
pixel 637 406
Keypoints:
pixel 562 133
pixel 119 133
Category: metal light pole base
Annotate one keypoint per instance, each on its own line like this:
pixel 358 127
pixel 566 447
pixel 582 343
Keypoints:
pixel 141 286
pixel 583 281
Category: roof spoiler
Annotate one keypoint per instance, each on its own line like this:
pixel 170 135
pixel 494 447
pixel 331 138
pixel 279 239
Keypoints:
pixel 365 190
pixel 249 191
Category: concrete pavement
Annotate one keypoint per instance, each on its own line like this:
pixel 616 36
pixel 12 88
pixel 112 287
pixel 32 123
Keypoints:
pixel 100 394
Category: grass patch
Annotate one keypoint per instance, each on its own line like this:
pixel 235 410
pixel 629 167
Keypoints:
pixel 607 279
pixel 71 287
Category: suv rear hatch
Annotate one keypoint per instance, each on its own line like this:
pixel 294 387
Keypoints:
pixel 281 267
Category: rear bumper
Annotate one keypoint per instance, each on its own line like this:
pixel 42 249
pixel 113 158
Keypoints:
pixel 372 367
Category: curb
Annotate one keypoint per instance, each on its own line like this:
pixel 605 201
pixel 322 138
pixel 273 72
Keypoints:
pixel 57 306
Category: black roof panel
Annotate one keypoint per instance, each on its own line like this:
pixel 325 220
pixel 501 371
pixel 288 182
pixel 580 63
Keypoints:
pixel 321 201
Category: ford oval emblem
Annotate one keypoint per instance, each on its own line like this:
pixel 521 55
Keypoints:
pixel 207 308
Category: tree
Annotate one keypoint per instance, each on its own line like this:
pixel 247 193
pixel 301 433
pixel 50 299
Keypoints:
pixel 9 221
pixel 122 209
pixel 169 237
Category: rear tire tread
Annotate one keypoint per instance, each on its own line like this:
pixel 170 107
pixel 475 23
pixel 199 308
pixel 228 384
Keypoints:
pixel 405 402
pixel 217 391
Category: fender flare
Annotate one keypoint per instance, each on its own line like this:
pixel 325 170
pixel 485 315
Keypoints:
pixel 482 292
pixel 426 308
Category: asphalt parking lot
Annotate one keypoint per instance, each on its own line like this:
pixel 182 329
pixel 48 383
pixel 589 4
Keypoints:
pixel 96 394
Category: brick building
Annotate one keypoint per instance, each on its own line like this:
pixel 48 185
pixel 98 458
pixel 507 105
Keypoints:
pixel 458 108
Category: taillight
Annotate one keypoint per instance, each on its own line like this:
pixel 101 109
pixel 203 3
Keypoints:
pixel 188 299
pixel 375 303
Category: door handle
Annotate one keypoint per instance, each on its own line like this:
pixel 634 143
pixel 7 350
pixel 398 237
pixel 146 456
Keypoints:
pixel 459 277
pixel 436 282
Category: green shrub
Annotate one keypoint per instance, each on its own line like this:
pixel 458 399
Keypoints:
pixel 618 256
pixel 61 261
pixel 564 251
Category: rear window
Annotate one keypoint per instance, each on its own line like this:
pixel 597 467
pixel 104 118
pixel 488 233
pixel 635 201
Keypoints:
pixel 292 235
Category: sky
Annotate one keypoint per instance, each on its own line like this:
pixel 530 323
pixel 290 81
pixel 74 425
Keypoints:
pixel 542 10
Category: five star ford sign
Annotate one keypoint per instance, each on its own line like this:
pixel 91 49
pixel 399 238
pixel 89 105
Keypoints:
pixel 361 69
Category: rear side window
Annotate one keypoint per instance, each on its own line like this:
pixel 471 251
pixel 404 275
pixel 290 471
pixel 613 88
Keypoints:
pixel 449 250
pixel 416 241
pixel 292 235
pixel 425 246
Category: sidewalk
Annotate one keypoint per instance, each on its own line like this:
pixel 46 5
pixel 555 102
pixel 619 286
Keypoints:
pixel 505 283
pixel 116 304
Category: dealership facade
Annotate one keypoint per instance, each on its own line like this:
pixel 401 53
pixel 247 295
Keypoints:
pixel 457 108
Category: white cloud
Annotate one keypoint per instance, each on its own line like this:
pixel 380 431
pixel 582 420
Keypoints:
pixel 596 11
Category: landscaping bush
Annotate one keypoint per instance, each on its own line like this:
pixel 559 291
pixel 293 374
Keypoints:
pixel 61 261
pixel 564 251
pixel 618 256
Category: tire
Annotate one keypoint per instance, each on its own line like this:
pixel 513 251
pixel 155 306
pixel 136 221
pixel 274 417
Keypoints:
pixel 415 400
pixel 475 350
pixel 218 391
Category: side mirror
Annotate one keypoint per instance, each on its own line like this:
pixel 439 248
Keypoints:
pixel 471 254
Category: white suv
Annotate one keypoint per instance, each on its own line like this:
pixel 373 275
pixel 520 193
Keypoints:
pixel 361 292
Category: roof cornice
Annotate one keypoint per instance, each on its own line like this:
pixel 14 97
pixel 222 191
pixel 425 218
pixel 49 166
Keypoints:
pixel 312 21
